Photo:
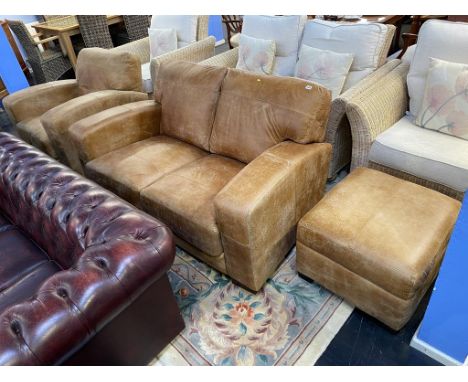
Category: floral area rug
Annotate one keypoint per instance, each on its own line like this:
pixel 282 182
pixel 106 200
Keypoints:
pixel 290 321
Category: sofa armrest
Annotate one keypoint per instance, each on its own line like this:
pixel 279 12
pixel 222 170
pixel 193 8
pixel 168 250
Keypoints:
pixel 57 121
pixel 375 110
pixel 114 128
pixel 226 59
pixel 258 210
pixel 195 52
pixel 109 251
pixel 141 48
pixel 34 101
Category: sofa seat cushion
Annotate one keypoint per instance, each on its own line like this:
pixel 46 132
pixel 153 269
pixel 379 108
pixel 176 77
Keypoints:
pixel 28 284
pixel 388 231
pixel 128 170
pixel 32 131
pixel 4 223
pixel 424 153
pixel 146 81
pixel 23 267
pixel 184 198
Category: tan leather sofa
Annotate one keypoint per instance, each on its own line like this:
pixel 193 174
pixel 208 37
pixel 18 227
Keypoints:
pixel 43 113
pixel 229 160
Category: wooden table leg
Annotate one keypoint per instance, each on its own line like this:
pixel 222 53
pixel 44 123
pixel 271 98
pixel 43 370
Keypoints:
pixel 66 43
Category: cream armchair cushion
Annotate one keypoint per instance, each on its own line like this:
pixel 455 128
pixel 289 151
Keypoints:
pixel 423 153
pixel 445 103
pixel 286 31
pixel 185 26
pixel 444 40
pixel 256 55
pixel 324 67
pixel 367 42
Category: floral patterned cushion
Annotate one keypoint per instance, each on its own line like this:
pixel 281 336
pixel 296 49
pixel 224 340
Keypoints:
pixel 162 41
pixel 256 55
pixel 445 102
pixel 324 67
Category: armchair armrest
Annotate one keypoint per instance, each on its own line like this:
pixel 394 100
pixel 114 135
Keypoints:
pixel 338 131
pixel 226 59
pixel 375 110
pixel 57 121
pixel 141 48
pixel 258 210
pixel 338 109
pixel 34 101
pixel 195 52
pixel 114 128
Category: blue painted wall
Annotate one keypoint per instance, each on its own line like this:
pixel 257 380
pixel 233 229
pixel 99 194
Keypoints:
pixel 10 70
pixel 215 27
pixel 445 324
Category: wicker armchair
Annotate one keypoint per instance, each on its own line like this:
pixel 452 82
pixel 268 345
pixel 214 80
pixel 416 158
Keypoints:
pixel 198 51
pixel 137 26
pixel 46 66
pixel 338 129
pixel 384 138
pixel 95 31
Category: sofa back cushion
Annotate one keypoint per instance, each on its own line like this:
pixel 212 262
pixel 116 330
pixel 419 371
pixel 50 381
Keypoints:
pixel 255 112
pixel 184 25
pixel 444 40
pixel 103 69
pixel 188 94
pixel 368 43
pixel 286 31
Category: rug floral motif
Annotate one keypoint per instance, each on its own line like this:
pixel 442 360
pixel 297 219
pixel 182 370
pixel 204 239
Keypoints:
pixel 228 325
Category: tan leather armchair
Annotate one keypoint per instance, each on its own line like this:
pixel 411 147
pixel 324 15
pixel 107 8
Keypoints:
pixel 226 160
pixel 43 113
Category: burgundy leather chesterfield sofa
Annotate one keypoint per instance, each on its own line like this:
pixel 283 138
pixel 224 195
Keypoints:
pixel 82 273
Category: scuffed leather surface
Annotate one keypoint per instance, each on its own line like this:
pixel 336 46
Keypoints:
pixel 32 132
pixel 189 95
pixel 256 112
pixel 57 121
pixel 109 253
pixel 256 207
pixel 102 69
pixel 189 211
pixel 128 170
pixel 258 210
pixel 34 101
pixel 382 228
pixel 114 128
pixel 367 296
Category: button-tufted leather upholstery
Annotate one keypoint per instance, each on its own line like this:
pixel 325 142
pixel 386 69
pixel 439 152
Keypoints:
pixel 73 258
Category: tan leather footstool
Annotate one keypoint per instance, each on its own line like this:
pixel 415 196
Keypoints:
pixel 378 242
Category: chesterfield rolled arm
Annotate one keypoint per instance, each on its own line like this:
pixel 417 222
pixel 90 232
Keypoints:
pixel 109 253
pixel 34 101
pixel 114 128
pixel 258 210
pixel 57 121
